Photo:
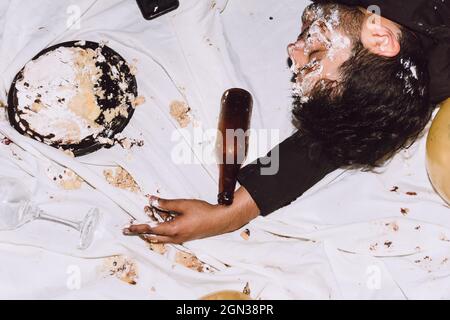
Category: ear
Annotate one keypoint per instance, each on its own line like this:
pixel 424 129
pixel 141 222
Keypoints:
pixel 381 39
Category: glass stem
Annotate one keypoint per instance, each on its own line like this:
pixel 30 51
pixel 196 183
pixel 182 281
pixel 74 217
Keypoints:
pixel 73 224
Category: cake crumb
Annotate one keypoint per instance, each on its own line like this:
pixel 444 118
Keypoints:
pixel 246 289
pixel 120 178
pixel 138 101
pixel 393 225
pixel 112 113
pixel 64 178
pixel 189 261
pixel 158 248
pixel 6 141
pixel 122 268
pixel 133 67
pixel 70 180
pixel 245 234
pixel 69 152
pixel 179 110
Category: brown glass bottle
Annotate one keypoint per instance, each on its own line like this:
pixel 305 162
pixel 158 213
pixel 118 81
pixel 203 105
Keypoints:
pixel 232 141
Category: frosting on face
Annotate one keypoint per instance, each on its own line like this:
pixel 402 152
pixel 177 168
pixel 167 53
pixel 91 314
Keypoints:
pixel 319 51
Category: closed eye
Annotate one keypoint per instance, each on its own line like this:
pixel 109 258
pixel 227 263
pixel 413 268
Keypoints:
pixel 316 54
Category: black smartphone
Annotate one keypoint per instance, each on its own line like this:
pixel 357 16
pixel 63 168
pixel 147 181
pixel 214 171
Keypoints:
pixel 152 9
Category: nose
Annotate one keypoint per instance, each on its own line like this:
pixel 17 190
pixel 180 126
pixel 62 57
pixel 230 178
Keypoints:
pixel 296 53
pixel 290 49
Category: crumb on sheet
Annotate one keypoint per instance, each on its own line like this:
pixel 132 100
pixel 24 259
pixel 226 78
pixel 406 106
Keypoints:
pixel 189 261
pixel 120 178
pixel 158 248
pixel 6 141
pixel 393 225
pixel 246 289
pixel 65 178
pixel 122 268
pixel 70 180
pixel 138 101
pixel 68 152
pixel 245 234
pixel 179 110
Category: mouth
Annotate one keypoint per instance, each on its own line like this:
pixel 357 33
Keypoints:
pixel 306 79
pixel 293 66
pixel 311 67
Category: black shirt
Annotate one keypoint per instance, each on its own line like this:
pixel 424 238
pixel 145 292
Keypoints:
pixel 301 163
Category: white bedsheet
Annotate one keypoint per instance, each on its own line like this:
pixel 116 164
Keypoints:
pixel 346 238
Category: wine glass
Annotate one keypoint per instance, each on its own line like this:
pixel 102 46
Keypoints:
pixel 17 209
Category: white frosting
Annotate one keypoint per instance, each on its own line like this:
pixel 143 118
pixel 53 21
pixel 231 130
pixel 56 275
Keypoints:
pixel 335 42
pixel 306 81
pixel 407 75
pixel 49 85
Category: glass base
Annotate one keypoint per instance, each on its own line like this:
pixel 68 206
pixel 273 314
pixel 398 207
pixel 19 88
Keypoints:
pixel 88 227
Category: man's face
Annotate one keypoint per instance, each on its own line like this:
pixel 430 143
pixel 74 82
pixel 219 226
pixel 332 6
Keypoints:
pixel 322 47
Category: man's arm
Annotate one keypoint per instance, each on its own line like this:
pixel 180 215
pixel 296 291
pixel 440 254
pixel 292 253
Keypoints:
pixel 301 165
pixel 196 219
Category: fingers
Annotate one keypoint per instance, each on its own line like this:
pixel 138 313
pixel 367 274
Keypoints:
pixel 167 205
pixel 157 239
pixel 137 229
pixel 163 229
pixel 158 216
pixel 155 235
pixel 150 212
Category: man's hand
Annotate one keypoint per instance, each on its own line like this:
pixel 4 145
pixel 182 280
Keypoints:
pixel 195 219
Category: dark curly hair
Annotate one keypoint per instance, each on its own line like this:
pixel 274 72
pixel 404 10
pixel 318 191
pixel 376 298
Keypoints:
pixel 380 106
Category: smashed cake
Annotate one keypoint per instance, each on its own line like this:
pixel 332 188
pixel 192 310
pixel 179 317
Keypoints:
pixel 74 96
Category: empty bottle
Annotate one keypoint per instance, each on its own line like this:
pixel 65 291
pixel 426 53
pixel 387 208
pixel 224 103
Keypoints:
pixel 232 140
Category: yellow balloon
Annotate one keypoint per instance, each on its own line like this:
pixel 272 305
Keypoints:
pixel 438 152
pixel 226 295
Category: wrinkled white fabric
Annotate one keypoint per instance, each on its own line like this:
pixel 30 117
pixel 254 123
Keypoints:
pixel 346 238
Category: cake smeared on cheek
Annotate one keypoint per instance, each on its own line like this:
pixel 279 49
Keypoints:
pixel 306 79
pixel 324 47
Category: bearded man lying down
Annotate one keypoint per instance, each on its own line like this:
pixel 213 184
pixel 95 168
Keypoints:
pixel 365 84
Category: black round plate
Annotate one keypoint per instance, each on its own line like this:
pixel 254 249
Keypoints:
pixel 111 88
